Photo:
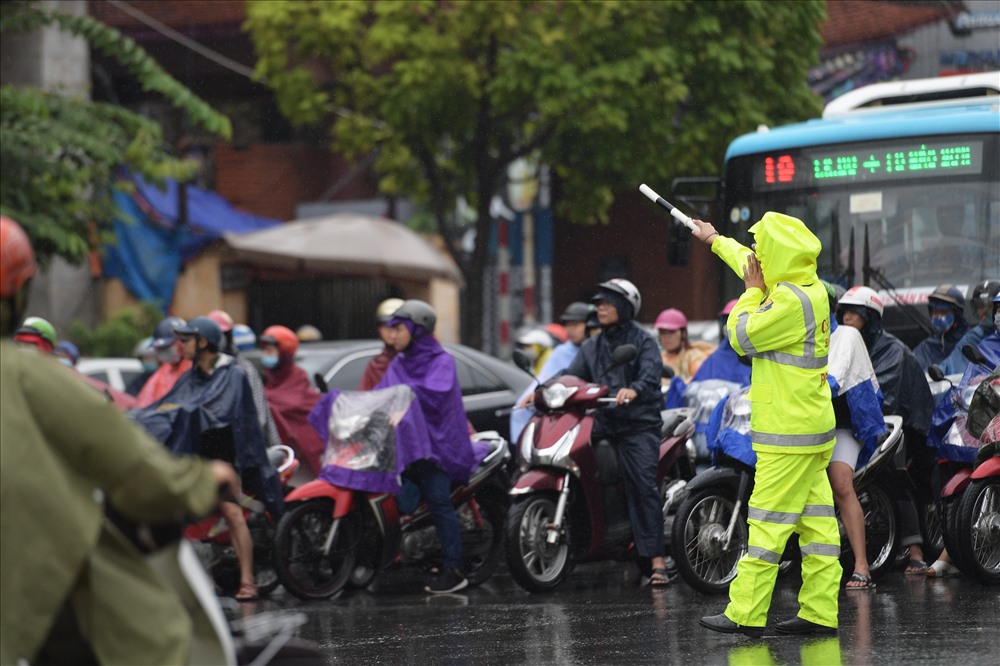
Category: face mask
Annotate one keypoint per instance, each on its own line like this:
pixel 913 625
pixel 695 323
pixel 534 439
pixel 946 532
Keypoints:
pixel 269 362
pixel 996 320
pixel 168 355
pixel 65 361
pixel 942 323
pixel 149 367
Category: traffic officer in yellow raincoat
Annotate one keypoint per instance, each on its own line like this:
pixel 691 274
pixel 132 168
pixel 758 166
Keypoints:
pixel 782 321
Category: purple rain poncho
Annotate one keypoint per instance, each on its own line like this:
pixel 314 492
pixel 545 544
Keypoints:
pixel 429 370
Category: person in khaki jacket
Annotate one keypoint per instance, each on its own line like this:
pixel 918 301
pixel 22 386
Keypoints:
pixel 72 588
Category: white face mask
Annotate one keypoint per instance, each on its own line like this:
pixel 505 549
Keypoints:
pixel 996 319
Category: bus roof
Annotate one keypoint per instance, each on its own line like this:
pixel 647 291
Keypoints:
pixel 982 116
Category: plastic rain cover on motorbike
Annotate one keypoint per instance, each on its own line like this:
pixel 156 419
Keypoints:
pixel 703 396
pixel 733 437
pixel 365 433
pixel 948 432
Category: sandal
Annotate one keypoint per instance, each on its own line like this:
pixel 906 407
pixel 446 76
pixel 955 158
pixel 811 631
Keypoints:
pixel 916 568
pixel 248 592
pixel 866 582
pixel 659 578
pixel 942 569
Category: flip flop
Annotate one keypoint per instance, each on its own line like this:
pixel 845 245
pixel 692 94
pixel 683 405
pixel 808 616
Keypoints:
pixel 856 577
pixel 916 568
pixel 247 592
pixel 659 578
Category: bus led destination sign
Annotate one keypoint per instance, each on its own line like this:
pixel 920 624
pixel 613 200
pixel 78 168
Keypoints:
pixel 834 165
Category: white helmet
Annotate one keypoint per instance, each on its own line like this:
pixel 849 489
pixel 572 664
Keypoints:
pixel 534 336
pixel 865 296
pixel 625 288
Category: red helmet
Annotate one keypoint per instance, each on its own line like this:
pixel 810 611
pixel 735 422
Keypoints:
pixel 17 261
pixel 283 337
pixel 222 318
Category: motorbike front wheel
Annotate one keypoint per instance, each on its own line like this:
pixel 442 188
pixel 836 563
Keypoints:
pixel 979 530
pixel 298 550
pixel 536 564
pixel 881 530
pixel 705 561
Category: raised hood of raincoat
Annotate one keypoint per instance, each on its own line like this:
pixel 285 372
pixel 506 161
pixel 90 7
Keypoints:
pixel 786 248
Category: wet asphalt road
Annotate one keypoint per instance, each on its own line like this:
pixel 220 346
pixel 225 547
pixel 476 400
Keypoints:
pixel 601 615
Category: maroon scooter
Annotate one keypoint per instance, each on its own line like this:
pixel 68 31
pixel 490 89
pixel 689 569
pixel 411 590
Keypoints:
pixel 569 505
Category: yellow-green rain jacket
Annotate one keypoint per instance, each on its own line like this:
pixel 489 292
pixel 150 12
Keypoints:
pixel 786 332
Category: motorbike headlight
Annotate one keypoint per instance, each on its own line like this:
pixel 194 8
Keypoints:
pixel 557 394
pixel 527 441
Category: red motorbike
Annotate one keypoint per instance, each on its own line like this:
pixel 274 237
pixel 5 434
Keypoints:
pixel 332 537
pixel 568 504
pixel 213 543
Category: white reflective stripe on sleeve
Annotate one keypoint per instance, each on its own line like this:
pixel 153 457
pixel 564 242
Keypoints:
pixel 741 335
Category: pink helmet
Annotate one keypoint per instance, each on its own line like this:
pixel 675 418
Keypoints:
pixel 671 319
pixel 222 318
pixel 724 312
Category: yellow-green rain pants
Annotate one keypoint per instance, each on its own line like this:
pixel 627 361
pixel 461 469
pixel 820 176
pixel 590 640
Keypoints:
pixel 791 493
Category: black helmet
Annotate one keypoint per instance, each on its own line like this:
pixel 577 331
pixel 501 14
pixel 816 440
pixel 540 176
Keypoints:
pixel 202 327
pixel 577 311
pixel 419 312
pixel 984 292
pixel 163 334
pixel 947 295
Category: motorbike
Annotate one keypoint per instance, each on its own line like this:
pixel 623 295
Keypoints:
pixel 710 531
pixel 970 501
pixel 222 633
pixel 333 536
pixel 212 542
pixel 568 504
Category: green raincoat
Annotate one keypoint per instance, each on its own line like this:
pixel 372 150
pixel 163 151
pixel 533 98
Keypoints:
pixel 63 449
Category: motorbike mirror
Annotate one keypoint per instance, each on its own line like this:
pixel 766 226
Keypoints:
pixel 935 373
pixel 523 361
pixel 972 353
pixel 321 383
pixel 623 354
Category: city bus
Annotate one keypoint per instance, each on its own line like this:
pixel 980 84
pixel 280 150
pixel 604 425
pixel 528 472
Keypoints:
pixel 900 181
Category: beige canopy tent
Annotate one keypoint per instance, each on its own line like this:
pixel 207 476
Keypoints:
pixel 346 243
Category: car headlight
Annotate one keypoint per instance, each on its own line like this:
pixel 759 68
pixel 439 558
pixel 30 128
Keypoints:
pixel 557 394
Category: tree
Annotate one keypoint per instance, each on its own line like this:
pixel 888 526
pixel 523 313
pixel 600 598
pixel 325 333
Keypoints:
pixel 609 94
pixel 60 154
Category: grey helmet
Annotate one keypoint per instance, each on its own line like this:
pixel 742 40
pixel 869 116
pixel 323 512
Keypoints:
pixel 577 311
pixel 419 312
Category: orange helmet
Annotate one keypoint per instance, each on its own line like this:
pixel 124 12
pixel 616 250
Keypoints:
pixel 17 261
pixel 283 337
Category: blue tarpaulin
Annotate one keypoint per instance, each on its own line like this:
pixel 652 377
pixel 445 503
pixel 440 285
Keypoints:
pixel 151 244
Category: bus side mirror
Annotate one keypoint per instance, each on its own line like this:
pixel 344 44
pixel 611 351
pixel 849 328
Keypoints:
pixel 678 245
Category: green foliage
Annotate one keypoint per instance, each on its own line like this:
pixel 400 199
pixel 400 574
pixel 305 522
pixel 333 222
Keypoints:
pixel 60 154
pixel 609 93
pixel 119 335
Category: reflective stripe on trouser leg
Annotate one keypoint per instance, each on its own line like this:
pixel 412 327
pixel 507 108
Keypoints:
pixel 784 485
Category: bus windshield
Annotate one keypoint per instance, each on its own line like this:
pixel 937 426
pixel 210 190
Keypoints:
pixel 924 228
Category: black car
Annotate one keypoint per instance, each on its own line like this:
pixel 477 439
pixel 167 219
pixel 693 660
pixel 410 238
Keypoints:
pixel 488 384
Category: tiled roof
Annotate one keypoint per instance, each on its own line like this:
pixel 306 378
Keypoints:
pixel 854 21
